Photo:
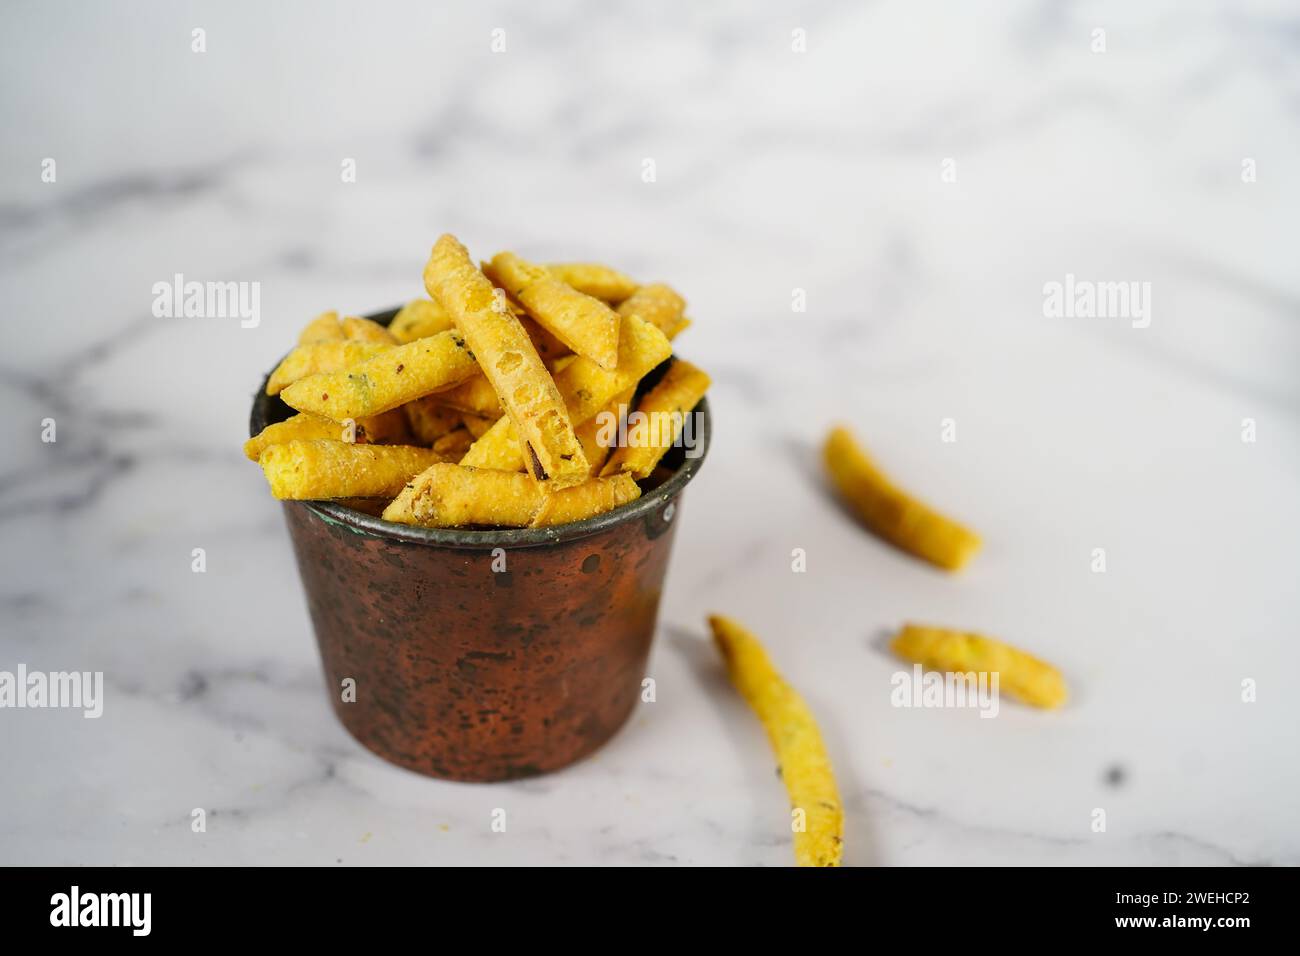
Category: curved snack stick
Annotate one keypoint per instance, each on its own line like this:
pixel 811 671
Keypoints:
pixel 452 496
pixel 1022 675
pixel 664 409
pixel 792 729
pixel 319 357
pixel 660 306
pixel 314 469
pixel 585 500
pixel 892 513
pixel 397 375
pixel 419 319
pixel 586 387
pixel 389 427
pixel 510 361
pixel 593 279
pixel 584 324
pixel 324 328
pixel 357 329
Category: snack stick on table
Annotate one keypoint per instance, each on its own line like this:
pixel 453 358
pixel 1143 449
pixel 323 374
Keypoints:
pixel 585 324
pixel 792 729
pixel 664 409
pixel 1021 675
pixel 891 512
pixel 318 357
pixel 591 278
pixel 397 375
pixel 511 363
pixel 317 468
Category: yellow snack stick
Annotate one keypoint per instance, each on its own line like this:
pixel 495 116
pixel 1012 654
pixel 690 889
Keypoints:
pixel 586 387
pixel 316 468
pixel 584 324
pixel 419 319
pixel 317 357
pixel 594 432
pixel 475 395
pixel 429 419
pixel 660 306
pixel 592 497
pixel 357 329
pixel 324 328
pixel 453 445
pixel 663 412
pixel 389 428
pixel 510 361
pixel 453 496
pixel 792 729
pixel 892 513
pixel 1022 675
pixel 397 375
pixel 477 424
pixel 593 279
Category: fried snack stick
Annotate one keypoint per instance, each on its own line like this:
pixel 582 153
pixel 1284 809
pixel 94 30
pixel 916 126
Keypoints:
pixel 586 387
pixel 453 445
pixel 476 396
pixel 397 375
pixel 660 306
pixel 510 361
pixel 313 469
pixel 584 324
pixel 357 329
pixel 429 419
pixel 324 328
pixel 592 433
pixel 792 729
pixel 450 496
pixel 318 357
pixel 388 428
pixel 892 513
pixel 419 319
pixel 1022 675
pixel 453 496
pixel 664 408
pixel 585 500
pixel 593 279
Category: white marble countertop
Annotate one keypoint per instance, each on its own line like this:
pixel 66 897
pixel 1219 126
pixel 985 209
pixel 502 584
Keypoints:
pixel 776 170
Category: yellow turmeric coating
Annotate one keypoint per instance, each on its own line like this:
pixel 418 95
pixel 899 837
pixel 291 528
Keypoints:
pixel 660 306
pixel 593 279
pixel 388 428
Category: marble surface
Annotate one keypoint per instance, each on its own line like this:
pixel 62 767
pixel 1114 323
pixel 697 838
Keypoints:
pixel 776 170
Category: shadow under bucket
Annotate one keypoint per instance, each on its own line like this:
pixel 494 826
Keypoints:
pixel 486 655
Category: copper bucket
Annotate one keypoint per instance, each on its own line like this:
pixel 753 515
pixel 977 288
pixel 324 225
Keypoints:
pixel 485 654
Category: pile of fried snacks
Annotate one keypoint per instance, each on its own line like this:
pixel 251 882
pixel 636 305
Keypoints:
pixel 817 815
pixel 515 395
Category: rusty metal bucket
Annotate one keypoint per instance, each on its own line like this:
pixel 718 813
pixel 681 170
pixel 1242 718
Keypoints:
pixel 485 655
